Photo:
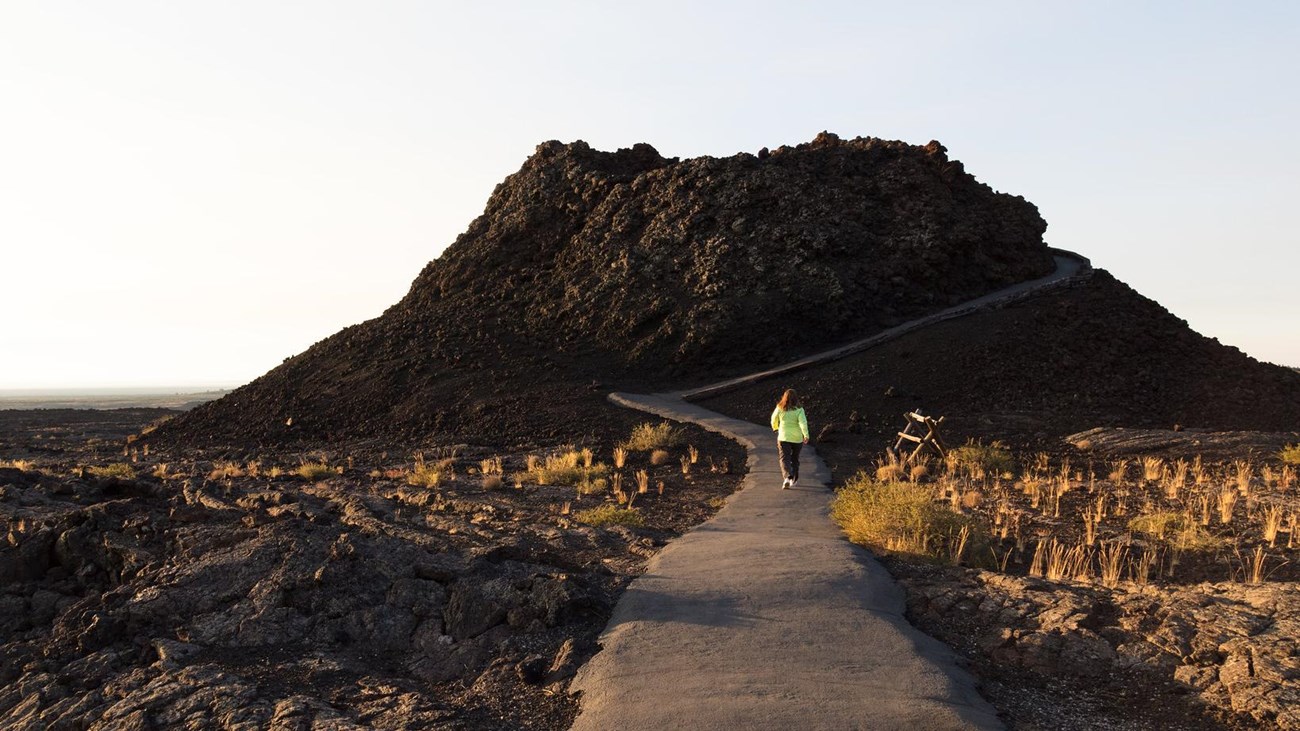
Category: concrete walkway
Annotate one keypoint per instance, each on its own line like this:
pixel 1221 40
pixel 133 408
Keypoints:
pixel 765 617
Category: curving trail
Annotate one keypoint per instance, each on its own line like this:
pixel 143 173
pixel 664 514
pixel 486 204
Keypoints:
pixel 765 617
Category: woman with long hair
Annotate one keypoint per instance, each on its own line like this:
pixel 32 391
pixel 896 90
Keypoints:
pixel 791 427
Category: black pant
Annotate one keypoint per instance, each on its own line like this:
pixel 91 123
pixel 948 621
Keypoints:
pixel 789 458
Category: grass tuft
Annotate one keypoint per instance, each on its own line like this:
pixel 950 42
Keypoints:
pixel 1176 529
pixel 978 459
pixel 430 474
pixel 315 471
pixel 903 518
pixel 610 514
pixel 120 470
pixel 564 468
pixel 646 437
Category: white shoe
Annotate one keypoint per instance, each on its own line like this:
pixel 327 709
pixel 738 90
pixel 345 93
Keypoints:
pixel 785 484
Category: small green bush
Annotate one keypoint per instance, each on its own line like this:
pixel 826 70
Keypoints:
pixel 610 514
pixel 120 470
pixel 1290 454
pixel 1176 529
pixel 903 518
pixel 646 437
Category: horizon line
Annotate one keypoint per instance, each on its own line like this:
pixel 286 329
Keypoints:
pixel 168 390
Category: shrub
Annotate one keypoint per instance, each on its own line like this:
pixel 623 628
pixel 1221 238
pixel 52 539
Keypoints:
pixel 119 470
pixel 315 471
pixel 610 514
pixel 646 437
pixel 565 468
pixel 977 458
pixel 903 518
pixel 1290 454
pixel 426 474
pixel 1176 529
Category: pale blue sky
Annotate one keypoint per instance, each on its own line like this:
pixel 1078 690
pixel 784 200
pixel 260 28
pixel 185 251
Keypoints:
pixel 192 191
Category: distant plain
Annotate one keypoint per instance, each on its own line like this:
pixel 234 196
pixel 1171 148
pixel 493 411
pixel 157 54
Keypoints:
pixel 154 397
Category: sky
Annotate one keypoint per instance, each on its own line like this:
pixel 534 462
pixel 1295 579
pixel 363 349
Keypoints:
pixel 191 192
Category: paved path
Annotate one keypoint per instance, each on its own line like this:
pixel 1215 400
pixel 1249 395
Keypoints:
pixel 765 617
pixel 1068 265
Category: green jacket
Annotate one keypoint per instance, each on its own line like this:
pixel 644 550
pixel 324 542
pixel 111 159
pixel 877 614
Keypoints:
pixel 790 426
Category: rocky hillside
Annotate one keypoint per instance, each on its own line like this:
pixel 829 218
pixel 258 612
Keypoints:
pixel 1096 354
pixel 631 267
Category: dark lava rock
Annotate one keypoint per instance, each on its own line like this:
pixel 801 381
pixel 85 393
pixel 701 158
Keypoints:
pixel 627 267
pixel 1095 354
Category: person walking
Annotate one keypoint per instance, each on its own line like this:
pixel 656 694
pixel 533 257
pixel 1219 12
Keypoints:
pixel 791 426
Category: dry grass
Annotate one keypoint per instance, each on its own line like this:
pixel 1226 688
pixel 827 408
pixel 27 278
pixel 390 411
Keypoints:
pixel 1143 518
pixel 903 518
pixel 430 474
pixel 620 457
pixel 563 468
pixel 1243 473
pixel 889 468
pixel 659 456
pixel 592 486
pixel 1153 468
pixel 610 514
pixel 646 437
pixel 1175 529
pixel 1112 558
pixel 1290 454
pixel 315 471
pixel 1176 479
pixel 979 460
pixel 226 471
pixel 118 470
pixel 1118 471
pixel 1226 502
pixel 22 465
pixel 1056 561
pixel 1252 565
pixel 1271 523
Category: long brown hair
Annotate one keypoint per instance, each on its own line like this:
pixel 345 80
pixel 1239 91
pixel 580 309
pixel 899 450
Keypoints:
pixel 789 400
